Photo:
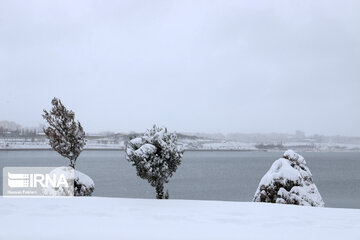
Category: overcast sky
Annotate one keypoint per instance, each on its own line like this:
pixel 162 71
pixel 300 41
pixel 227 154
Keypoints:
pixel 194 66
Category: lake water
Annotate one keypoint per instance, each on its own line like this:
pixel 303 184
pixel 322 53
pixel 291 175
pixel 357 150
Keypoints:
pixel 205 175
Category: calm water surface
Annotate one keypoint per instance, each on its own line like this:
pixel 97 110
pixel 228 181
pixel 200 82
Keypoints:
pixel 205 175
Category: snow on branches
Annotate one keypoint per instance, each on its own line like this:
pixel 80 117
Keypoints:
pixel 66 136
pixel 156 157
pixel 289 181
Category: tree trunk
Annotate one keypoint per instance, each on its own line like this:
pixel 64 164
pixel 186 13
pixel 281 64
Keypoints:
pixel 72 163
pixel 160 191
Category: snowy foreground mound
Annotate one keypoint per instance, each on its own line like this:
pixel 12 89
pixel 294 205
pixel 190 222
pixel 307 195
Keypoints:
pixel 113 218
pixel 289 181
pixel 81 183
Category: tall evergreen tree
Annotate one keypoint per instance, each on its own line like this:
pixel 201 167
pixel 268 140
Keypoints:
pixel 66 136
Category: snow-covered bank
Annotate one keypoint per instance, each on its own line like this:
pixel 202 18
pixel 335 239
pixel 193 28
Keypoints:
pixel 196 144
pixel 112 218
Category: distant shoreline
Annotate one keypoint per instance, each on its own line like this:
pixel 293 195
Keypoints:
pixel 189 150
pixel 122 149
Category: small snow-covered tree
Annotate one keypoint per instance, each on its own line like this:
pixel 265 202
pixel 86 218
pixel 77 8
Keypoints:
pixel 67 137
pixel 156 157
pixel 289 181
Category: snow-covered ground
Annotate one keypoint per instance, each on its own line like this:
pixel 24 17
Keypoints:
pixel 113 218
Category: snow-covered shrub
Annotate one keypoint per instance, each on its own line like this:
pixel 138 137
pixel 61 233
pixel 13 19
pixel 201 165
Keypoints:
pixel 156 157
pixel 79 183
pixel 68 173
pixel 289 181
pixel 83 184
pixel 67 137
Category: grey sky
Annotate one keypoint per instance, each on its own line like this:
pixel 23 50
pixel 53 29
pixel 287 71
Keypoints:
pixel 195 66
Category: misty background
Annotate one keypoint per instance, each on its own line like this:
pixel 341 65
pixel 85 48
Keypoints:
pixel 193 66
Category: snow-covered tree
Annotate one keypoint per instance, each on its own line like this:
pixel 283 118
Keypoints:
pixel 156 157
pixel 289 181
pixel 67 137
